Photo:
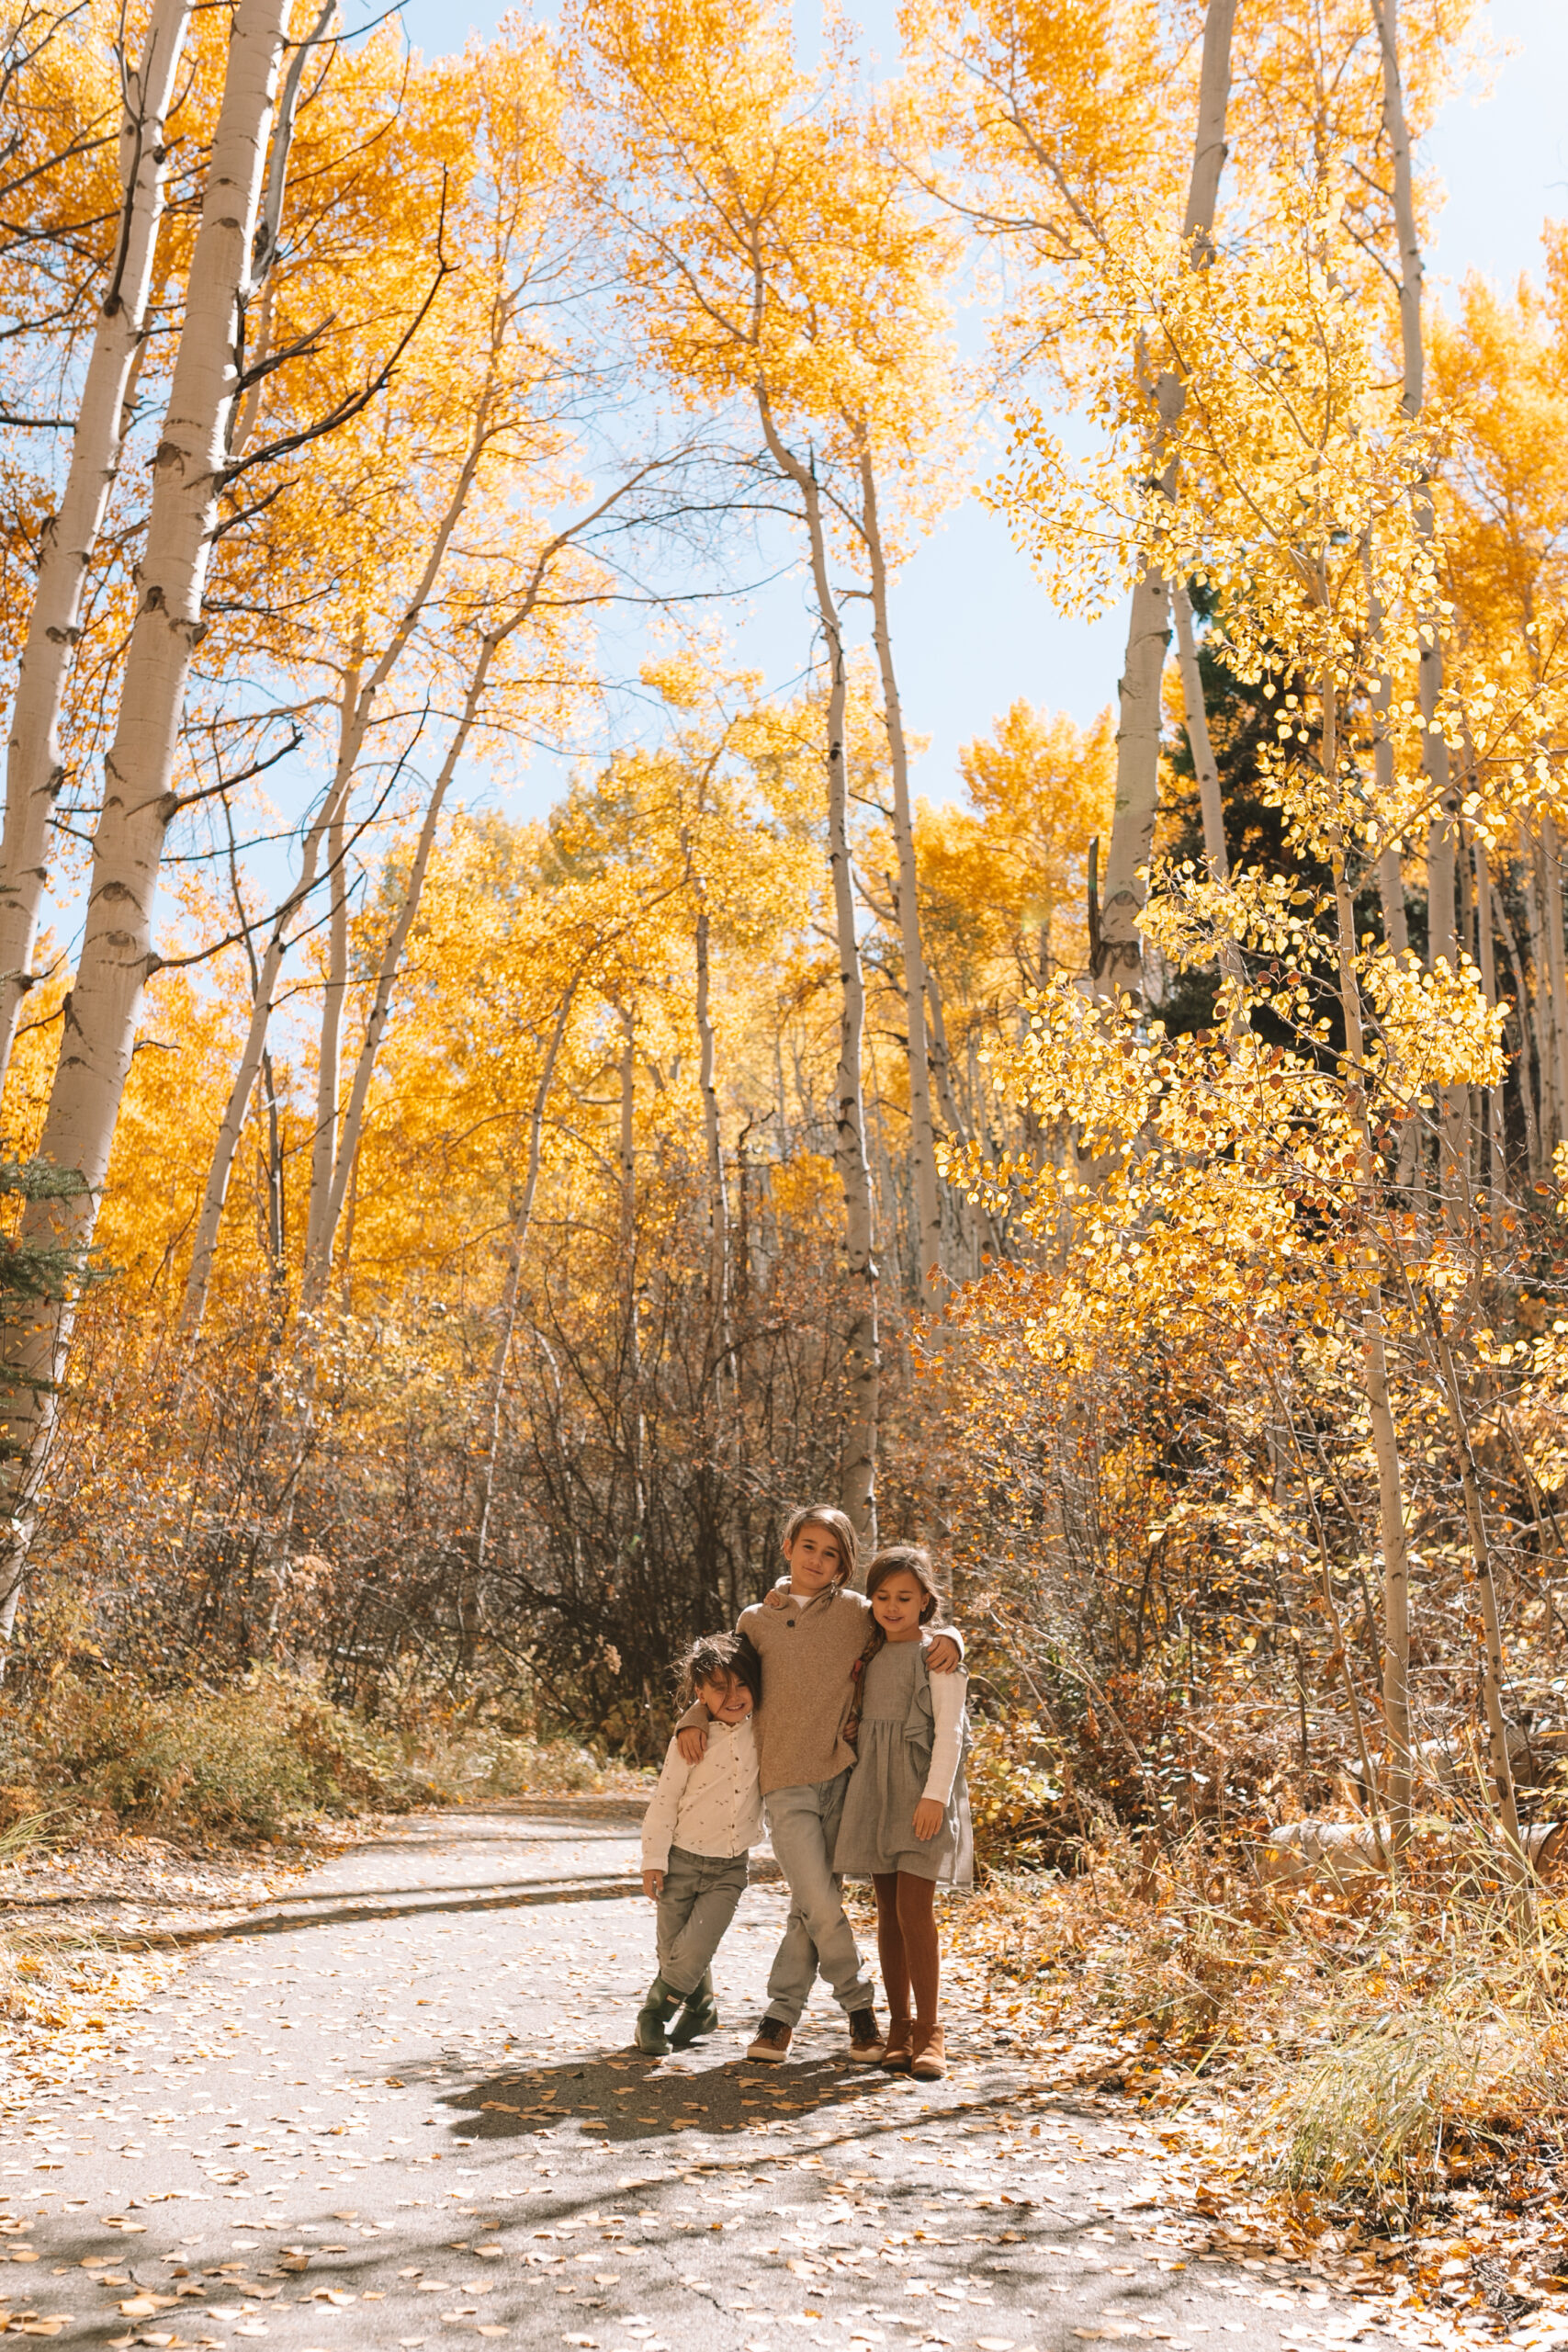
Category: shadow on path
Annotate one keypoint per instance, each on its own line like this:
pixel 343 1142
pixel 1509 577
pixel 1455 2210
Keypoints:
pixel 525 1896
pixel 628 2098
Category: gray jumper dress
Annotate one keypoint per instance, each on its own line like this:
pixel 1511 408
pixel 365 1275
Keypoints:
pixel 897 1730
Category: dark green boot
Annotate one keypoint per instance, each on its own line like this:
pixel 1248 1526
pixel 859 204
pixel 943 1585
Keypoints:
pixel 699 2013
pixel 659 2007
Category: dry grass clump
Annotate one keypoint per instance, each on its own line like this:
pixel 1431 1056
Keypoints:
pixel 1454 2067
pixel 495 1765
pixel 1368 2120
pixel 56 1979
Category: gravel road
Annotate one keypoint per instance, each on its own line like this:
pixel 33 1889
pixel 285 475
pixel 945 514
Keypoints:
pixel 401 2105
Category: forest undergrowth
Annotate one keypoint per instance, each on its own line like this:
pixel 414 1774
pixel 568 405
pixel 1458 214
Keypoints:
pixel 1371 2072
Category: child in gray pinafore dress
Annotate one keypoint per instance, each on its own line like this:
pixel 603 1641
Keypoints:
pixel 906 1823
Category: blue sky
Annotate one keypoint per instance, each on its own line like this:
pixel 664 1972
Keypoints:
pixel 973 626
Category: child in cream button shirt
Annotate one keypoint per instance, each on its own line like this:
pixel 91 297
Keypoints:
pixel 697 1830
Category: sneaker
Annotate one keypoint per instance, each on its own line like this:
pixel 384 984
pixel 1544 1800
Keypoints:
pixel 929 2061
pixel 867 2045
pixel 900 2045
pixel 771 2042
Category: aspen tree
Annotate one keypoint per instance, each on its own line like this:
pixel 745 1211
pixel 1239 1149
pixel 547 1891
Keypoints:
pixel 518 1246
pixel 1138 735
pixel 139 802
pixel 1195 720
pixel 495 632
pixel 1442 942
pixel 1303 520
pixel 199 1279
pixel 34 769
pixel 863 1341
pixel 922 1133
pixel 749 210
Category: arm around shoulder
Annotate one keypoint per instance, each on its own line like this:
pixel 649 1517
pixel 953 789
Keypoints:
pixel 943 1647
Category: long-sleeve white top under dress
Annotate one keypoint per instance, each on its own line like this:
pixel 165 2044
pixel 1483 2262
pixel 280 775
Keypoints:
pixel 714 1806
pixel 948 1694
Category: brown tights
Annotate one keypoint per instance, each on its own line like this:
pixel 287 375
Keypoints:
pixel 906 1943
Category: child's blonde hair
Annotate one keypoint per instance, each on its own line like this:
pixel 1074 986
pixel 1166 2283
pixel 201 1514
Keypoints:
pixel 837 1526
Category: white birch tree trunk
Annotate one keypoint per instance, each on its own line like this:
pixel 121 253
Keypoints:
pixel 713 1145
pixel 1541 1007
pixel 922 1136
pixel 857 1474
pixel 139 800
pixel 322 1234
pixel 361 694
pixel 1526 1029
pixel 1210 803
pixel 1441 943
pixel 634 1422
pixel 318 1248
pixel 1196 719
pixel 323 1142
pixel 1118 964
pixel 1552 895
pixel 1496 1139
pixel 198 1280
pixel 516 1251
pixel 1374 1349
pixel 1391 875
pixel 35 767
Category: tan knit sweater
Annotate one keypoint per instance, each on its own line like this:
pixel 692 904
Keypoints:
pixel 808 1689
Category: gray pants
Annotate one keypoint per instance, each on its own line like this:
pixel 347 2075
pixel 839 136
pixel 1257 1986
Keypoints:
pixel 804 1825
pixel 701 1891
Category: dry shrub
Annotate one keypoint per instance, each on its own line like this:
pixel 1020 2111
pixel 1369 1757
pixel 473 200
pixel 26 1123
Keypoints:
pixel 1454 2065
pixel 84 1755
pixel 1014 1794
pixel 245 1763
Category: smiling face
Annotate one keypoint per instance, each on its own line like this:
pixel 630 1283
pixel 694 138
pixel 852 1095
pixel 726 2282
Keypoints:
pixel 814 1558
pixel 727 1698
pixel 896 1604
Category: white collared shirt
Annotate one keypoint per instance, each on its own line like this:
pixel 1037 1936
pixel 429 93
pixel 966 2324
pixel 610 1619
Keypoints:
pixel 712 1807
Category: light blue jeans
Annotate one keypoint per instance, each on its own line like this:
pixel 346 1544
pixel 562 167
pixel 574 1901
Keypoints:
pixel 804 1825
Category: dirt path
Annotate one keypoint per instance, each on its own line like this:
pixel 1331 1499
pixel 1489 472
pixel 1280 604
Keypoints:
pixel 400 2105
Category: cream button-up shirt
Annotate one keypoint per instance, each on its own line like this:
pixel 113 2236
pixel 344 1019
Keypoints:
pixel 714 1807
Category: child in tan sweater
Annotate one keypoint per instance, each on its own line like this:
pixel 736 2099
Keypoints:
pixel 810 1636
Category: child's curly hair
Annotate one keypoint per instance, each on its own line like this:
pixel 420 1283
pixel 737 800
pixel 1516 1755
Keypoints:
pixel 720 1658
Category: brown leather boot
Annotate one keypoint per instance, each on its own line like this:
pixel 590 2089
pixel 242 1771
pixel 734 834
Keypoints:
pixel 866 2044
pixel 929 2062
pixel 900 2045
